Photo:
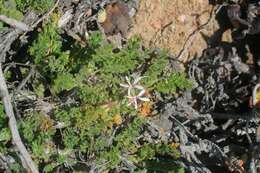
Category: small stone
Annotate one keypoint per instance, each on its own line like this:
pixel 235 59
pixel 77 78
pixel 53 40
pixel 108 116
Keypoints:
pixel 227 36
pixel 88 12
pixel 202 19
pixel 182 19
pixel 102 16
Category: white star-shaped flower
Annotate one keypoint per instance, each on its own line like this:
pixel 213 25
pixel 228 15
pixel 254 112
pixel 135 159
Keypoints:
pixel 132 88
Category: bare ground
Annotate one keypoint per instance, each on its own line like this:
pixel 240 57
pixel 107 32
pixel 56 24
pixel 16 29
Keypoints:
pixel 167 24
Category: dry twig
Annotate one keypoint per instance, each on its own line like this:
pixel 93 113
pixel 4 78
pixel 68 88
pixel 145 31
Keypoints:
pixel 46 15
pixel 14 23
pixel 13 124
pixel 7 38
pixel 4 164
pixel 35 24
pixel 193 35
pixel 23 83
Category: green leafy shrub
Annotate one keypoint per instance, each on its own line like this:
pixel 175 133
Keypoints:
pixel 5 135
pixel 172 83
pixel 9 8
pixel 37 5
pixel 16 8
pixel 47 53
pixel 90 105
pixel 38 131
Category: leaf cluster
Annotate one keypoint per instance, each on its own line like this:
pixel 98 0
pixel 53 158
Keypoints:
pixel 85 83
pixel 9 8
pixel 16 8
pixel 36 5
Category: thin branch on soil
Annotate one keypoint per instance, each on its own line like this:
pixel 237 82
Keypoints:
pixel 46 15
pixel 23 83
pixel 13 124
pixel 4 163
pixel 14 64
pixel 160 32
pixel 199 139
pixel 192 36
pixel 252 165
pixel 10 36
pixel 35 24
pixel 110 141
pixel 7 39
pixel 184 128
pixel 7 66
pixel 14 23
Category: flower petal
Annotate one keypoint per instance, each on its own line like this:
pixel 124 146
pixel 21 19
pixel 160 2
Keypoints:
pixel 141 93
pixel 135 104
pixel 124 85
pixel 130 97
pixel 140 87
pixel 128 80
pixel 145 99
pixel 137 80
pixel 129 91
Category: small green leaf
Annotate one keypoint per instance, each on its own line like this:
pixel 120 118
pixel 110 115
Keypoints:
pixel 64 81
pixel 5 135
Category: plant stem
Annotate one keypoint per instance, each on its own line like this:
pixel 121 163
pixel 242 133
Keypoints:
pixel 13 124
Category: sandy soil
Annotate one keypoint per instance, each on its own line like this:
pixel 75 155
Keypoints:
pixel 168 23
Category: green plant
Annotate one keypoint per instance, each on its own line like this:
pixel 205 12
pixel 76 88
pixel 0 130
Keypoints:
pixel 47 52
pixel 37 5
pixel 9 8
pixel 84 83
pixel 5 134
pixel 16 8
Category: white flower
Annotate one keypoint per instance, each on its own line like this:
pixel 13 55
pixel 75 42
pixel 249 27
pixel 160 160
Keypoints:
pixel 130 86
pixel 133 98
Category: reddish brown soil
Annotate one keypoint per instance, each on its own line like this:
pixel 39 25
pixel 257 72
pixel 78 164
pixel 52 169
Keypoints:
pixel 168 23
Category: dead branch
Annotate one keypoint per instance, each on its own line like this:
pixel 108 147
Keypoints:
pixel 7 39
pixel 35 24
pixel 46 15
pixel 4 163
pixel 23 83
pixel 184 128
pixel 14 23
pixel 20 29
pixel 13 124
